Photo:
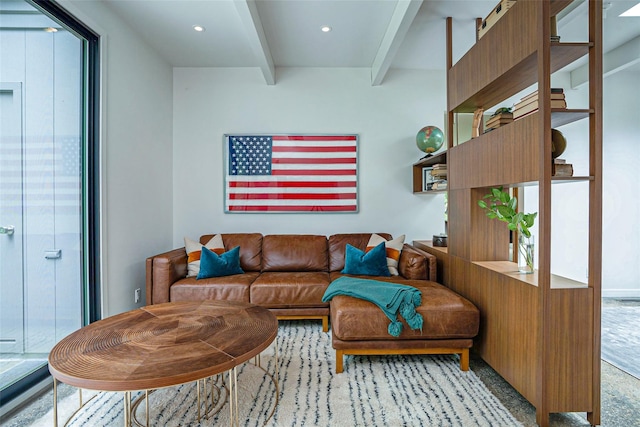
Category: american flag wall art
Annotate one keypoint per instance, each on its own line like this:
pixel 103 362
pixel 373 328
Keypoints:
pixel 291 173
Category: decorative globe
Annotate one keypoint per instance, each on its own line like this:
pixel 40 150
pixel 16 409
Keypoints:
pixel 429 139
pixel 558 143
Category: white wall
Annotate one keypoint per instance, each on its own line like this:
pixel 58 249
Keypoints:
pixel 621 182
pixel 621 175
pixel 211 102
pixel 136 154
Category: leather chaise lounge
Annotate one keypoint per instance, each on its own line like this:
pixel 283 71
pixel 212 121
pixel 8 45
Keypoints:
pixel 289 274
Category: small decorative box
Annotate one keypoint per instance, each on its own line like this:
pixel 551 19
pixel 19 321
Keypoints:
pixel 440 240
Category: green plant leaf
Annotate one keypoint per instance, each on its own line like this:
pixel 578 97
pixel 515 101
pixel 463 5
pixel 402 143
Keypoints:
pixel 504 211
pixel 504 208
pixel 504 197
pixel 530 218
pixel 518 218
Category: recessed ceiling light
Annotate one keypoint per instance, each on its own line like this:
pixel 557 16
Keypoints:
pixel 634 11
pixel 50 30
pixel 199 28
pixel 325 28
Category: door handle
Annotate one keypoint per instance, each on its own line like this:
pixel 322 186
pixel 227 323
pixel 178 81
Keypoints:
pixel 9 230
pixel 54 254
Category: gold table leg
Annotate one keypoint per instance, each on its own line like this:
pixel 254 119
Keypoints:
pixel 146 405
pixel 127 409
pixel 55 403
pixel 198 392
pixel 233 397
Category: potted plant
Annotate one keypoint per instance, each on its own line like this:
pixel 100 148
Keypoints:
pixel 500 205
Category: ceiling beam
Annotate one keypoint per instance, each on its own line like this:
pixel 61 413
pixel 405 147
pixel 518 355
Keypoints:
pixel 615 60
pixel 403 15
pixel 255 32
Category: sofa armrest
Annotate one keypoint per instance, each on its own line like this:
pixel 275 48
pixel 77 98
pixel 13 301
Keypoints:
pixel 163 270
pixel 417 264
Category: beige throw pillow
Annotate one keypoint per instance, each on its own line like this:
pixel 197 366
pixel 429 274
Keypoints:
pixel 194 249
pixel 393 248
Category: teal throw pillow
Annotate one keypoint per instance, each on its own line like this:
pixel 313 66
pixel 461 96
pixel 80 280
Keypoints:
pixel 372 263
pixel 214 265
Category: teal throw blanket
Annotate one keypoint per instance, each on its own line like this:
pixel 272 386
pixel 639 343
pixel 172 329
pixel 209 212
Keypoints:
pixel 392 298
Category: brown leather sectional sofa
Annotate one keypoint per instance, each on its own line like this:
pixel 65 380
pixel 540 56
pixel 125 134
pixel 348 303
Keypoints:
pixel 289 274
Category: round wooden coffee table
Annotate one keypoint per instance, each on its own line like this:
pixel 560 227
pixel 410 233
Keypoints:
pixel 163 345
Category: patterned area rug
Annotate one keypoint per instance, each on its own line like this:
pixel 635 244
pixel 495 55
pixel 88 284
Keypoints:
pixel 372 391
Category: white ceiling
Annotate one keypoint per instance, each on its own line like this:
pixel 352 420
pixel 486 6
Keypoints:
pixel 286 33
pixel 376 34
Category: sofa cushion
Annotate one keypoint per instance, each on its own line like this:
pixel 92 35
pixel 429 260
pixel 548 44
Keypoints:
pixel 414 264
pixel 393 249
pixel 372 263
pixel 290 289
pixel 214 265
pixel 194 251
pixel 338 243
pixel 232 288
pixel 394 279
pixel 250 248
pixel 294 252
pixel 446 315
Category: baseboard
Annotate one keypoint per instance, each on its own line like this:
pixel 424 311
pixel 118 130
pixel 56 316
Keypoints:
pixel 621 293
pixel 10 408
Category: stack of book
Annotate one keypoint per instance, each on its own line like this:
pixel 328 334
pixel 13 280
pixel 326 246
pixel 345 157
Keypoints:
pixel 498 120
pixel 529 103
pixel 439 185
pixel 439 174
pixel 427 179
pixel 562 168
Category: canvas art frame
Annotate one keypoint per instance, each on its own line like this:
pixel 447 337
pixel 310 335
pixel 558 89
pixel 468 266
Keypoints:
pixel 290 173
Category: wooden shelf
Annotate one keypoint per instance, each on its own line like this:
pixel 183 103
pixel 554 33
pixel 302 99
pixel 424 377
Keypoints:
pixel 567 179
pixel 564 117
pixel 539 331
pixel 514 147
pixel 428 244
pixel 497 77
pixel 432 160
pixel 423 163
pixel 430 192
pixel 510 269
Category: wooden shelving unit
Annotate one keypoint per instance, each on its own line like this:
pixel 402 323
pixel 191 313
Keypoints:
pixel 423 163
pixel 541 332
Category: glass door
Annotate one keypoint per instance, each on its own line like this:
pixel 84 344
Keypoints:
pixel 11 279
pixel 43 190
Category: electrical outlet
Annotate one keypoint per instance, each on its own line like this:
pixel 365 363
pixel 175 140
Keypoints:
pixel 136 295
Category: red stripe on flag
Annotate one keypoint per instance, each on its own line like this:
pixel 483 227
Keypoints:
pixel 313 138
pixel 337 149
pixel 281 172
pixel 291 184
pixel 346 208
pixel 294 161
pixel 291 196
